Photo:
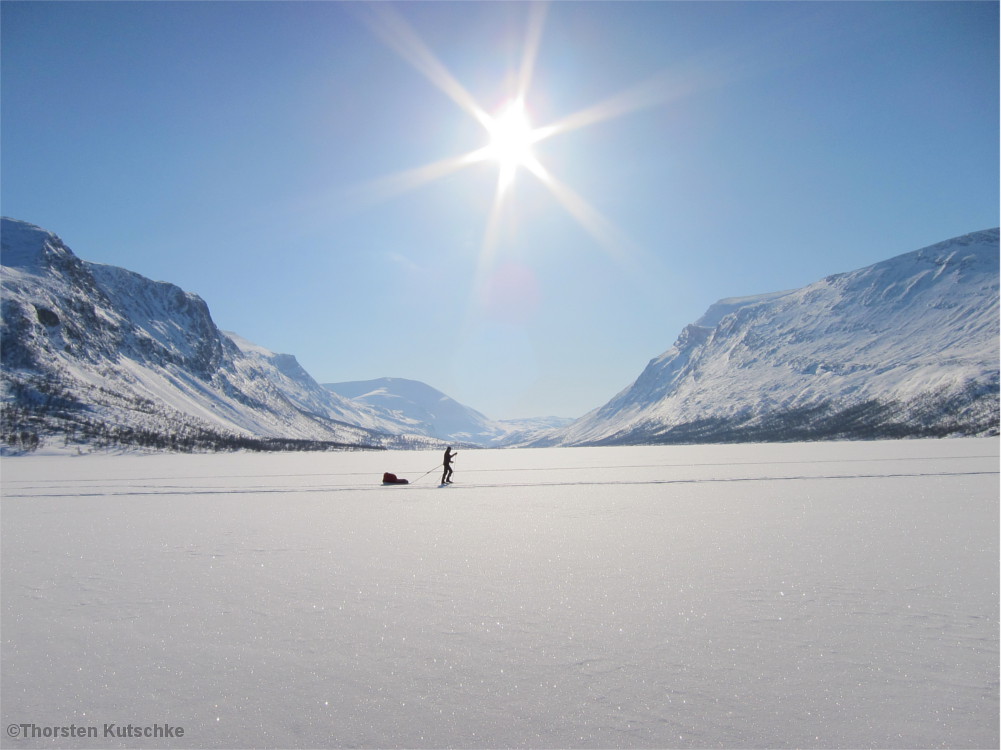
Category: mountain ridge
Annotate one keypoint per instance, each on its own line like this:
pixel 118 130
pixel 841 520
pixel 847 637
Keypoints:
pixel 904 347
pixel 97 353
pixel 100 354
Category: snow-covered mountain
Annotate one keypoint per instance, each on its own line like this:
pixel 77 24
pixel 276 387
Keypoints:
pixel 99 353
pixel 427 411
pixel 414 403
pixel 906 347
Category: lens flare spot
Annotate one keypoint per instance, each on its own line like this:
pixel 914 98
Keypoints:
pixel 512 294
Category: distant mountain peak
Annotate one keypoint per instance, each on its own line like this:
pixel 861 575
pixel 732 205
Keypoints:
pixel 428 411
pixel 425 408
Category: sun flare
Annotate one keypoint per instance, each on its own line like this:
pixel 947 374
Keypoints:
pixel 511 139
pixel 510 135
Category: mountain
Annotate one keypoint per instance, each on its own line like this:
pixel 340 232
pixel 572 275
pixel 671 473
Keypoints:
pixel 100 354
pixel 418 405
pixel 427 411
pixel 906 347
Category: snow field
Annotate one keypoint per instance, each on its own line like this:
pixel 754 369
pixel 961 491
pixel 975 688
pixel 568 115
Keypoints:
pixel 802 595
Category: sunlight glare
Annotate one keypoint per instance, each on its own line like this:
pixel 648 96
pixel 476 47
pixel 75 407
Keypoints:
pixel 511 139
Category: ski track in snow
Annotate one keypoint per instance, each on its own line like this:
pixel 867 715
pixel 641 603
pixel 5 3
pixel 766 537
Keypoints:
pixel 799 595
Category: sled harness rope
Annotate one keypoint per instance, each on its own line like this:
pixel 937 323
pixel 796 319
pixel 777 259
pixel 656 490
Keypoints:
pixel 426 473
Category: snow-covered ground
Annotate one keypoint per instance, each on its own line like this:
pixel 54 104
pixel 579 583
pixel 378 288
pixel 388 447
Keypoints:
pixel 804 595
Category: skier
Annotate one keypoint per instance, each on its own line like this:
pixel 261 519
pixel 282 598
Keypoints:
pixel 446 476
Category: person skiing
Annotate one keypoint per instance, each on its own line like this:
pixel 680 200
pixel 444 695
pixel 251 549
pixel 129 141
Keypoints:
pixel 446 476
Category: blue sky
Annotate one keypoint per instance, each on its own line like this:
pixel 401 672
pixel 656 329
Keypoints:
pixel 269 157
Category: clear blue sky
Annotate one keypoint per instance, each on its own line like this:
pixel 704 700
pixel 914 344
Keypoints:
pixel 263 155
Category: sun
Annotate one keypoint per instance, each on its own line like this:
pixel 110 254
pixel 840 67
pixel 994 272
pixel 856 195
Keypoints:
pixel 511 138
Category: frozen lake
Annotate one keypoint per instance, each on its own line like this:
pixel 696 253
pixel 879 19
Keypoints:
pixel 802 595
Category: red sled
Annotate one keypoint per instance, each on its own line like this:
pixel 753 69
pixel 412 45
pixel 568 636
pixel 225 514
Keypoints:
pixel 388 478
